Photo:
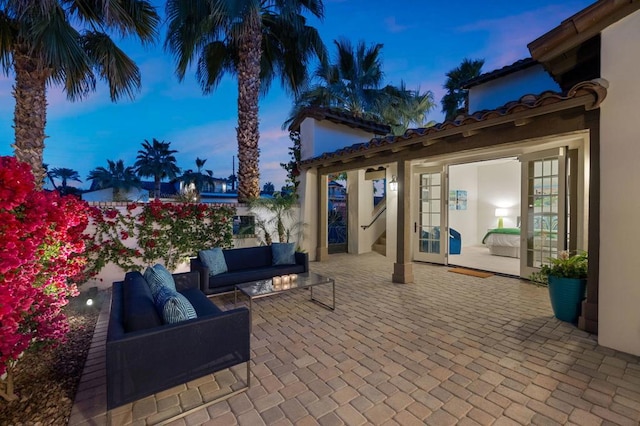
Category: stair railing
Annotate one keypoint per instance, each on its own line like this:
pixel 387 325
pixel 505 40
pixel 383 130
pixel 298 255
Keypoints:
pixel 382 210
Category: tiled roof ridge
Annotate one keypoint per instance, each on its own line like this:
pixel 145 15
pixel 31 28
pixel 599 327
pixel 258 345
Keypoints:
pixel 341 117
pixel 597 88
pixel 500 72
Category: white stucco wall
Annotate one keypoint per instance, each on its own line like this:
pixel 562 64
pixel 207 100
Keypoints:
pixel 392 214
pixel 495 93
pixel 308 191
pixel 360 193
pixel 112 272
pixel 619 292
pixel 318 137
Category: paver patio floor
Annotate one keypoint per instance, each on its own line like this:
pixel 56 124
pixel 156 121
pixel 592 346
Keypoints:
pixel 447 349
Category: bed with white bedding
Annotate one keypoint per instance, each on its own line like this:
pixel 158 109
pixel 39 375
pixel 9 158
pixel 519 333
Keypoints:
pixel 503 242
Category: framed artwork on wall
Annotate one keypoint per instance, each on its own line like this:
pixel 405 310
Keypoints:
pixel 457 199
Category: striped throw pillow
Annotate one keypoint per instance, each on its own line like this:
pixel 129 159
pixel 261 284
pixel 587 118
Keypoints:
pixel 173 307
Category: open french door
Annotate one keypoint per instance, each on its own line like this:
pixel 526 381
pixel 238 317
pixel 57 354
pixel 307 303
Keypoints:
pixel 430 214
pixel 544 220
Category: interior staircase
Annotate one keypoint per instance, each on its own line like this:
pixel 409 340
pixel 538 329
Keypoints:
pixel 380 245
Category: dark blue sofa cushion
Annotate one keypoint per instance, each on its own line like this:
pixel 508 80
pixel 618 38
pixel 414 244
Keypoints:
pixel 139 310
pixel 203 305
pixel 248 258
pixel 230 279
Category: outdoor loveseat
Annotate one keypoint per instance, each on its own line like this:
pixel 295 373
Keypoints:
pixel 247 264
pixel 145 356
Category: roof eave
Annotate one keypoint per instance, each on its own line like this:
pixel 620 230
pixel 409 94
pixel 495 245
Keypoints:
pixel 580 27
pixel 588 95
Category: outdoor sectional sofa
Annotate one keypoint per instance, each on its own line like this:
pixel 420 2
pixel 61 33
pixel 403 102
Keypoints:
pixel 244 265
pixel 145 356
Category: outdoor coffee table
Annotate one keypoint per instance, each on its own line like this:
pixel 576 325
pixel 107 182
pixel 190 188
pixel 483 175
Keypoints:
pixel 263 288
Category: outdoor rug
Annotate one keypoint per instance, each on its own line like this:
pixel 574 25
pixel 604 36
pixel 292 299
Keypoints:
pixel 471 272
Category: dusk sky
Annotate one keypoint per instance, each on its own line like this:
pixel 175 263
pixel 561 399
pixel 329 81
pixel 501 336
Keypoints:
pixel 423 39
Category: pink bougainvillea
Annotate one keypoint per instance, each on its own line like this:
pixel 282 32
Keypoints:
pixel 41 250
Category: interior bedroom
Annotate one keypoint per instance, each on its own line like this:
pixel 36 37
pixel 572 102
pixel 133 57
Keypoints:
pixel 484 215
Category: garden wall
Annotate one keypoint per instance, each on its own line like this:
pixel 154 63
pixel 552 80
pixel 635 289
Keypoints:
pixel 112 272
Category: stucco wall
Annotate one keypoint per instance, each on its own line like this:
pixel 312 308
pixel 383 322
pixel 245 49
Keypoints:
pixel 318 137
pixel 495 93
pixel 111 272
pixel 619 292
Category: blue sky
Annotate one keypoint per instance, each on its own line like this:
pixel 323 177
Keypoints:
pixel 422 41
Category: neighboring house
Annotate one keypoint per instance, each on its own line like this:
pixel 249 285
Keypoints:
pixel 212 192
pixel 551 147
pixel 106 194
pixel 168 190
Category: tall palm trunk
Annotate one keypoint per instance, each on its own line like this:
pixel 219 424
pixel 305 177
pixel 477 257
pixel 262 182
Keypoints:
pixel 250 52
pixel 30 115
pixel 157 188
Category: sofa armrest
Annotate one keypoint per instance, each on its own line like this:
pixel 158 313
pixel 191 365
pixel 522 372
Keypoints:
pixel 197 265
pixel 302 259
pixel 187 280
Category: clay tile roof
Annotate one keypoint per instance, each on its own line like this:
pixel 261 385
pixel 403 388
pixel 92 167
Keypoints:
pixel 339 117
pixel 593 93
pixel 501 72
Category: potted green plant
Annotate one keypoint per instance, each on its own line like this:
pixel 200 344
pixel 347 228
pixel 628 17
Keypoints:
pixel 566 278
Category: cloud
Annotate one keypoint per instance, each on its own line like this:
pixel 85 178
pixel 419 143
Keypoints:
pixel 393 26
pixel 508 36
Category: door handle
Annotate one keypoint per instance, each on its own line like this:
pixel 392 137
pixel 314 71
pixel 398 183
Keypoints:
pixel 415 227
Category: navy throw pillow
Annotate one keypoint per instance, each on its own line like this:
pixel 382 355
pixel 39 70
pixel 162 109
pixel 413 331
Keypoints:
pixel 173 307
pixel 214 260
pixel 283 253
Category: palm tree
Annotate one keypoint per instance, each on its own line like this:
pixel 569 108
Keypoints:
pixel 117 176
pixel 456 96
pixel 198 179
pixel 254 40
pixel 157 161
pixel 353 83
pixel 67 43
pixel 65 174
pixel 280 208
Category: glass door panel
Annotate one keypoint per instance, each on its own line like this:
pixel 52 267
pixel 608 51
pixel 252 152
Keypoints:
pixel 543 208
pixel 430 217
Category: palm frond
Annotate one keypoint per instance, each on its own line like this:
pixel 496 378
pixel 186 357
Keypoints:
pixel 189 29
pixel 7 40
pixel 216 59
pixel 58 45
pixel 114 66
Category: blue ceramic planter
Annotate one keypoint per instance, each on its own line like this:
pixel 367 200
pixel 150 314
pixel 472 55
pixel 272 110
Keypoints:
pixel 566 295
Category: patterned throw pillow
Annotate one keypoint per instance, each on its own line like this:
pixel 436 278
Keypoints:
pixel 173 307
pixel 283 253
pixel 158 276
pixel 214 260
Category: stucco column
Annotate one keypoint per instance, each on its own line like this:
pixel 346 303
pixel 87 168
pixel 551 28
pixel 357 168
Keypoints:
pixel 403 268
pixel 308 208
pixel 323 212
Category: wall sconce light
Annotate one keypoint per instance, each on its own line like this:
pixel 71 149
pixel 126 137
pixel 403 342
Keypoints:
pixel 393 185
pixel 500 214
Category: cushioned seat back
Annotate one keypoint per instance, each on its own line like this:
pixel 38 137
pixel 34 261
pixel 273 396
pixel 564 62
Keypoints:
pixel 249 257
pixel 139 310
